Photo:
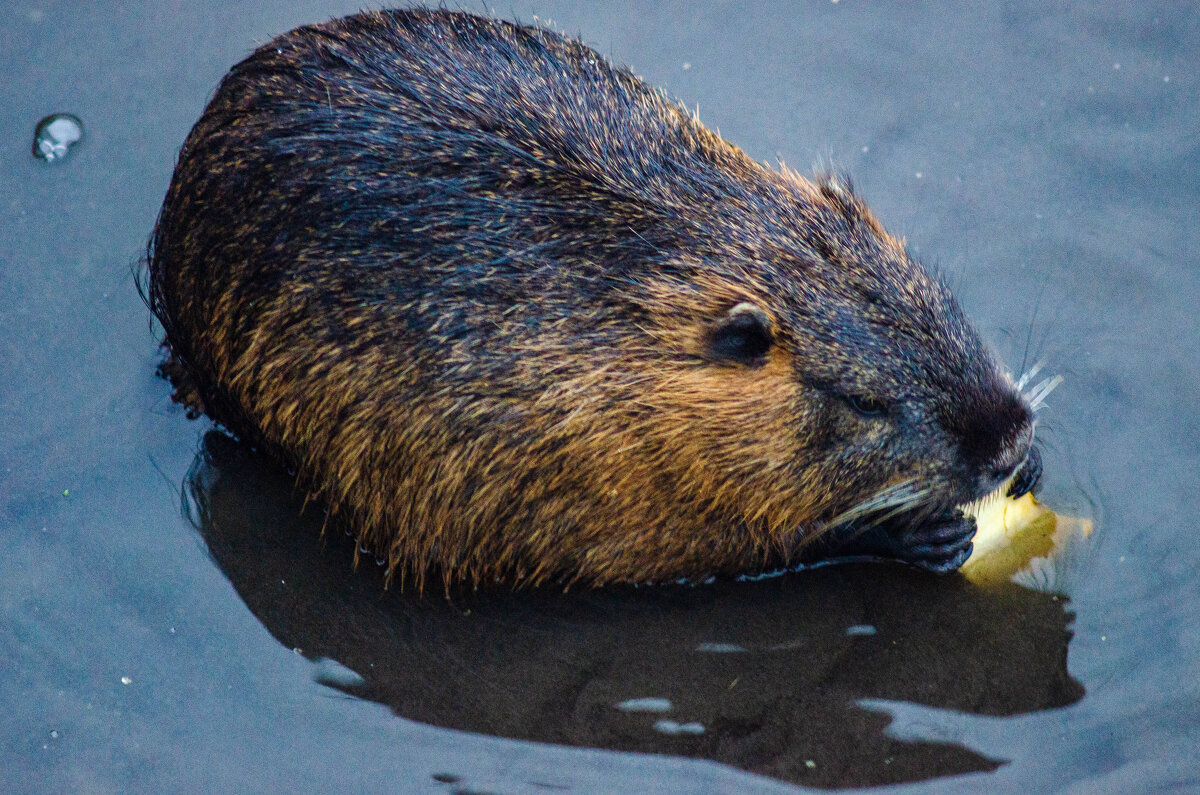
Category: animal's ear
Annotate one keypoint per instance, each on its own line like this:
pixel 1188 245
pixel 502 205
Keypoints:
pixel 743 336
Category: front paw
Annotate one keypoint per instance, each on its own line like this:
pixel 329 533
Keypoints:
pixel 939 545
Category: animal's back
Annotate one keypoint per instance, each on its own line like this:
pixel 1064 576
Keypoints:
pixel 473 153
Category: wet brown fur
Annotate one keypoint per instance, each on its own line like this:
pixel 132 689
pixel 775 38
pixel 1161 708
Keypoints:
pixel 462 276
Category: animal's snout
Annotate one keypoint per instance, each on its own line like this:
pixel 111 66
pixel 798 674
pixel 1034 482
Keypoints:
pixel 1012 457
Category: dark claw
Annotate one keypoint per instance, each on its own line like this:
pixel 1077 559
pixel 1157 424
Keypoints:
pixel 1028 475
pixel 945 531
pixel 942 545
pixel 939 545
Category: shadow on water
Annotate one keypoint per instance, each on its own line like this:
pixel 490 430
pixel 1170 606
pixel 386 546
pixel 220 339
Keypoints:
pixel 764 676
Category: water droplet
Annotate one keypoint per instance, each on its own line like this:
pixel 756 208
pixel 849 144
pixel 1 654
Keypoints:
pixel 55 134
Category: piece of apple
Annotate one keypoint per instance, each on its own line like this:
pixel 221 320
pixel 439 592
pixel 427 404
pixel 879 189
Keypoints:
pixel 1011 533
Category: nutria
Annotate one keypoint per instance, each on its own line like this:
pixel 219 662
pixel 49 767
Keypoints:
pixel 516 316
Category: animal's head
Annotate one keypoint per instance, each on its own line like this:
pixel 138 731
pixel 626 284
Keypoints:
pixel 799 367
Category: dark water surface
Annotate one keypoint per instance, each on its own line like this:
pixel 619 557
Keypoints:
pixel 1044 157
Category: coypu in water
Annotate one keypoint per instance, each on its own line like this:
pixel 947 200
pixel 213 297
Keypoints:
pixel 518 317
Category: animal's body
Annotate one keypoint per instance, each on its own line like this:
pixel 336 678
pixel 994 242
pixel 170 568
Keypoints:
pixel 516 316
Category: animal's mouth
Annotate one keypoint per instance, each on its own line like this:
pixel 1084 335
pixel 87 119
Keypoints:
pixel 1028 475
pixel 1013 483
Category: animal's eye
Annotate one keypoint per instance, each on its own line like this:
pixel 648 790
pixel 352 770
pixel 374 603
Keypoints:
pixel 744 336
pixel 865 406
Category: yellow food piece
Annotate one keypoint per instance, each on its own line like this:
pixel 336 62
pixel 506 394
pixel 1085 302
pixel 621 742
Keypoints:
pixel 1012 533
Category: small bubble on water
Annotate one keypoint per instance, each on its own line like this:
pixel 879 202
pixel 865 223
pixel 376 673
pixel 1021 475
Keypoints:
pixel 55 134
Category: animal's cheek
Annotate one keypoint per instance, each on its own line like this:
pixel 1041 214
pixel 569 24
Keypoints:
pixel 839 431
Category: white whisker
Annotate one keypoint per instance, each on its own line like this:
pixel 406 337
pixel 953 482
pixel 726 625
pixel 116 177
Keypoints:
pixel 894 499
pixel 1028 375
pixel 1038 394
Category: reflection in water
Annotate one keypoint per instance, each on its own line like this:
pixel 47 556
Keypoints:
pixel 645 705
pixel 634 668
